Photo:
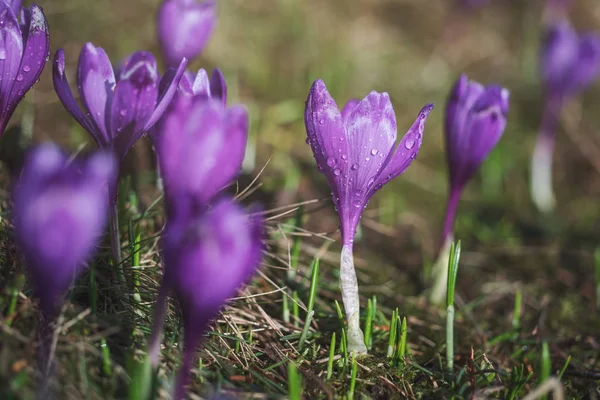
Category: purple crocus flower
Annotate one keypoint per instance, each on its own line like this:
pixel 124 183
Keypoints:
pixel 356 151
pixel 570 62
pixel 474 123
pixel 24 50
pixel 60 210
pixel 207 257
pixel 184 27
pixel 200 145
pixel 117 111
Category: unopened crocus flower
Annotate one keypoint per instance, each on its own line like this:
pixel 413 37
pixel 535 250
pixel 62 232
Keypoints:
pixel 570 62
pixel 200 146
pixel 24 50
pixel 208 256
pixel 117 111
pixel 356 151
pixel 474 123
pixel 184 28
pixel 60 210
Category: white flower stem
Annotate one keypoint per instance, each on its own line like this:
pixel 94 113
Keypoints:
pixel 440 274
pixel 542 193
pixel 351 300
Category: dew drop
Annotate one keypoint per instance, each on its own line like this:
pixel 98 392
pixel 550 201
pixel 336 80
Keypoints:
pixel 368 158
pixel 344 157
pixel 2 54
pixel 322 121
pixel 331 161
pixel 354 167
pixel 370 181
pixel 357 204
pixel 307 140
pixel 410 143
pixel 374 152
pixel 19 78
pixel 337 172
pixel 26 68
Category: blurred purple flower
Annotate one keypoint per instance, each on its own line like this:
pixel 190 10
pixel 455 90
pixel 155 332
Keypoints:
pixel 356 151
pixel 117 112
pixel 570 62
pixel 207 257
pixel 200 146
pixel 474 123
pixel 184 28
pixel 24 50
pixel 60 210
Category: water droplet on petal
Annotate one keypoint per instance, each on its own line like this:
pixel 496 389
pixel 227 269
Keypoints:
pixel 19 78
pixel 374 152
pixel 344 157
pixel 2 54
pixel 331 161
pixel 367 158
pixel 307 140
pixel 354 167
pixel 322 121
pixel 26 68
pixel 370 181
pixel 337 172
pixel 409 143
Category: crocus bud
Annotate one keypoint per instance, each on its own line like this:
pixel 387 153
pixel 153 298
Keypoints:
pixel 474 123
pixel 60 210
pixel 117 110
pixel 24 50
pixel 200 146
pixel 356 150
pixel 569 64
pixel 207 257
pixel 184 28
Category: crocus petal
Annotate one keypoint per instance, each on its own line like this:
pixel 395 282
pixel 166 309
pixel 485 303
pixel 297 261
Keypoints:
pixel 371 130
pixel 559 55
pixel 63 90
pixel 486 124
pixel 588 65
pixel 35 54
pixel 168 88
pixel 15 5
pixel 184 27
pixel 327 138
pixel 407 149
pixel 462 98
pixel 201 84
pixel 96 81
pixel 348 108
pixel 134 101
pixel 218 86
pixel 11 53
